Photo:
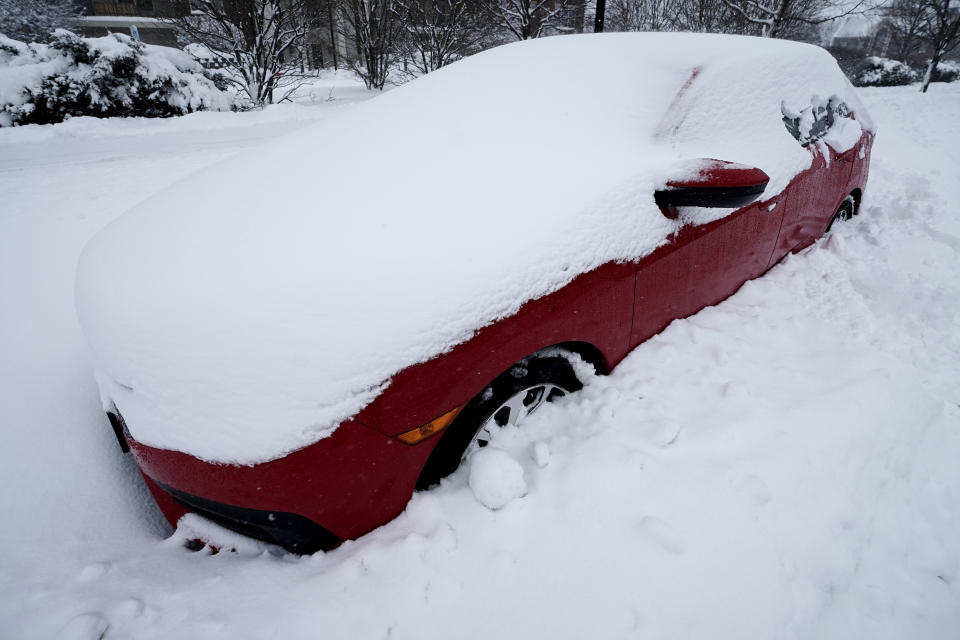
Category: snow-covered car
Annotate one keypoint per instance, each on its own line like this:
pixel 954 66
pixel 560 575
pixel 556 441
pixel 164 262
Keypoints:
pixel 294 339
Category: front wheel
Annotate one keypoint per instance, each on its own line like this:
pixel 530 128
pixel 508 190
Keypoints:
pixel 508 400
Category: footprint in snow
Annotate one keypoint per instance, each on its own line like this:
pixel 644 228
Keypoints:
pixel 93 571
pixel 128 609
pixel 86 626
pixel 661 534
pixel 661 432
pixel 754 488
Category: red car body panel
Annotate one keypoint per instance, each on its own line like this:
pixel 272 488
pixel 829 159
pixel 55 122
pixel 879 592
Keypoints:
pixel 350 482
pixel 595 308
pixel 362 476
pixel 702 266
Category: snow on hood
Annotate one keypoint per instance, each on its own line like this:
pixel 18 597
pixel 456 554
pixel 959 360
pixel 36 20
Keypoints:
pixel 249 309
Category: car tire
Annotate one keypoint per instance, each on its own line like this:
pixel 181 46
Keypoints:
pixel 847 209
pixel 514 394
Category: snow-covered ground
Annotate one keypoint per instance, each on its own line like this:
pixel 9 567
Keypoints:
pixel 783 465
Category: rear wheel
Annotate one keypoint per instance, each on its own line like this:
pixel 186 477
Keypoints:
pixel 847 209
pixel 508 400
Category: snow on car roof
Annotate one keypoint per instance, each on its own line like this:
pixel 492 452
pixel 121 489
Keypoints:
pixel 246 311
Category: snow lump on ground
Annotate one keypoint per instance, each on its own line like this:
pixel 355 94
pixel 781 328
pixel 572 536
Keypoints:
pixel 496 478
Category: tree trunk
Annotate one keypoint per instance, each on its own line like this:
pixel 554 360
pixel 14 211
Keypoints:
pixel 598 19
pixel 931 69
pixel 333 34
pixel 773 29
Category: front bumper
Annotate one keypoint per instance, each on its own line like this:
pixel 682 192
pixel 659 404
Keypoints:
pixel 336 489
pixel 288 530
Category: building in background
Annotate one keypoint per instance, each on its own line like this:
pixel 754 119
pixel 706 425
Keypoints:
pixel 864 35
pixel 875 33
pixel 140 19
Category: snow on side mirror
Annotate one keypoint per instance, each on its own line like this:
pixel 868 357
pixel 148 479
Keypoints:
pixel 711 183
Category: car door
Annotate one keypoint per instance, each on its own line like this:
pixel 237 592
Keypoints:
pixel 702 265
pixel 805 200
pixel 705 263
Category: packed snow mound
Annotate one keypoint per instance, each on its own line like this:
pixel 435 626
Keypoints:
pixel 251 308
pixel 496 478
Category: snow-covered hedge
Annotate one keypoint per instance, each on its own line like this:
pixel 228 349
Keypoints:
pixel 947 71
pixel 884 72
pixel 104 77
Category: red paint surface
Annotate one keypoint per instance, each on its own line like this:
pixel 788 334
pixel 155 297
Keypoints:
pixel 594 308
pixel 720 172
pixel 702 266
pixel 360 477
pixel 349 483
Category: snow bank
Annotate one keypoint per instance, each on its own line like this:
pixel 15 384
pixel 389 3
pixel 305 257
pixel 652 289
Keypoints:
pixel 247 311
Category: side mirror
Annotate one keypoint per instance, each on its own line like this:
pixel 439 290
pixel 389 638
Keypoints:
pixel 711 183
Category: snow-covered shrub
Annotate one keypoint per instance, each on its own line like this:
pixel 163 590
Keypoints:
pixel 884 72
pixel 947 71
pixel 206 56
pixel 104 77
pixel 215 66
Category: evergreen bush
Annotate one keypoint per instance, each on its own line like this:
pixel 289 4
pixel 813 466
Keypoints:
pixel 112 76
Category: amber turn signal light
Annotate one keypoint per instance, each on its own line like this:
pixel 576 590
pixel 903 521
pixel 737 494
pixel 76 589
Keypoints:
pixel 433 427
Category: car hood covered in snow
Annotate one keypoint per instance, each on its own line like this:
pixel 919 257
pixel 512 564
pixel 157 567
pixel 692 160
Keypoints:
pixel 248 310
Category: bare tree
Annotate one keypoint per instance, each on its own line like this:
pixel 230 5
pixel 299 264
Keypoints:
pixel 709 16
pixel 258 41
pixel 790 18
pixel 438 32
pixel 641 15
pixel 35 20
pixel 905 18
pixel 525 19
pixel 323 42
pixel 374 27
pixel 702 16
pixel 940 28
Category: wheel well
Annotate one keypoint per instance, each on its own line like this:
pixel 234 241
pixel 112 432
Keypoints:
pixel 857 196
pixel 589 353
pixel 436 466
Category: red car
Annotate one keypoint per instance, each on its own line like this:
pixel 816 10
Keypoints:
pixel 729 152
